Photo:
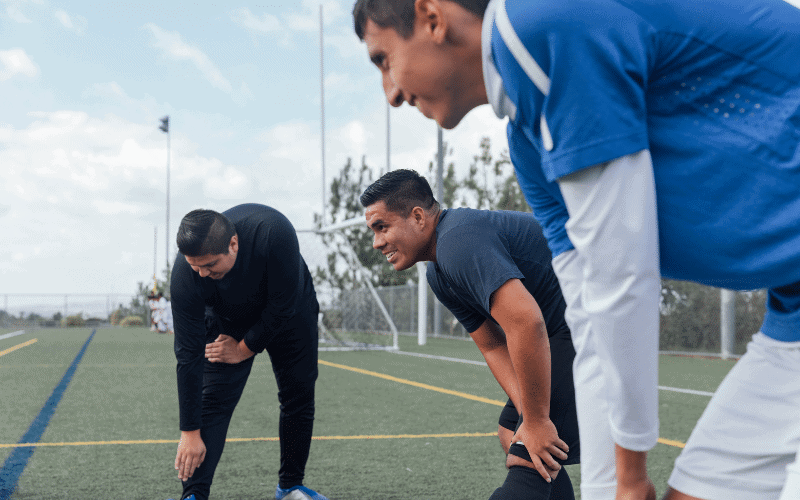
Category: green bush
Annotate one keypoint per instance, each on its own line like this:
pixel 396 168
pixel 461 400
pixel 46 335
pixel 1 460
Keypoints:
pixel 76 320
pixel 132 321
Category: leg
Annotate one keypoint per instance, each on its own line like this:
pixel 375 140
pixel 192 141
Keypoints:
pixel 744 444
pixel 506 425
pixel 222 387
pixel 294 362
pixel 598 467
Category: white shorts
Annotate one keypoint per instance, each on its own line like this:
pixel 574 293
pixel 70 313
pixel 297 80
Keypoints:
pixel 746 444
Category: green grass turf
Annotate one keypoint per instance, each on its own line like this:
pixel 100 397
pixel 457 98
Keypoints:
pixel 124 389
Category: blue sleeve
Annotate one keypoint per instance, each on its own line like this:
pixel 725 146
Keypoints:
pixel 594 54
pixel 476 260
pixel 543 197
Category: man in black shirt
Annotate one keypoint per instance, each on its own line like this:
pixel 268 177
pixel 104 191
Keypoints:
pixel 240 286
pixel 492 270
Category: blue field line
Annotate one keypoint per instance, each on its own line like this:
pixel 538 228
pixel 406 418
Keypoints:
pixel 16 462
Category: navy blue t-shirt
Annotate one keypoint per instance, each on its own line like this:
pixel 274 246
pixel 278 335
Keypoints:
pixel 477 251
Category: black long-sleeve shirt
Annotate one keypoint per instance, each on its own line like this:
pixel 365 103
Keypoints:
pixel 268 285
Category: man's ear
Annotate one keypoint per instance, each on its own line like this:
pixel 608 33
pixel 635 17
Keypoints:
pixel 421 217
pixel 233 248
pixel 429 16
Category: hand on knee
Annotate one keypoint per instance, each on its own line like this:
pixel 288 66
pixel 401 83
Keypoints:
pixel 512 460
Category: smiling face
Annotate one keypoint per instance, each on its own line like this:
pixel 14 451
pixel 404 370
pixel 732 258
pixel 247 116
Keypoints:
pixel 215 266
pixel 437 68
pixel 404 241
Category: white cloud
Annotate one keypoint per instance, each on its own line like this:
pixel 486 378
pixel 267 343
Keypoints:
pixel 266 23
pixel 16 62
pixel 76 23
pixel 172 45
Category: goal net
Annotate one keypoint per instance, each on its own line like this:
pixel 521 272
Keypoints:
pixel 353 315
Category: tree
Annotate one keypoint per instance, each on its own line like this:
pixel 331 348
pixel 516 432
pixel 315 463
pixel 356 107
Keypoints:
pixel 491 183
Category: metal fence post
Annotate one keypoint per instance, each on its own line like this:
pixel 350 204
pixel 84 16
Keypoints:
pixel 727 317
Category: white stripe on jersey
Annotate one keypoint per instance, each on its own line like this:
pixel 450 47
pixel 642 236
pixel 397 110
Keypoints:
pixel 521 54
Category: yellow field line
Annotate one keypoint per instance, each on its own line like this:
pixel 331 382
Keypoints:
pixel 415 384
pixel 669 442
pixel 244 440
pixel 18 346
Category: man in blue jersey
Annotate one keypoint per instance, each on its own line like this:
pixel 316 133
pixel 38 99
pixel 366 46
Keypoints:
pixel 492 271
pixel 651 138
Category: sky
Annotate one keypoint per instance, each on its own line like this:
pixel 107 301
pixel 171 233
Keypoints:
pixel 83 164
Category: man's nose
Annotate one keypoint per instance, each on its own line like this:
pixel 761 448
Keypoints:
pixel 392 91
pixel 203 272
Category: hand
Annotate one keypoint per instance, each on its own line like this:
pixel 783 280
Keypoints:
pixel 191 453
pixel 226 349
pixel 542 442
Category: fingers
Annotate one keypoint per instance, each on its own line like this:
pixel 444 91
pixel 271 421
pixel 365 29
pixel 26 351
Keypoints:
pixel 537 464
pixel 559 449
pixel 186 463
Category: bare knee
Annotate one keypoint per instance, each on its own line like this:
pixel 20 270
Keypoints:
pixel 512 460
pixel 505 436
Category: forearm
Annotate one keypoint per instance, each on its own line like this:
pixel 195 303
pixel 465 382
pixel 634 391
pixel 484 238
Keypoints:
pixel 501 367
pixel 530 357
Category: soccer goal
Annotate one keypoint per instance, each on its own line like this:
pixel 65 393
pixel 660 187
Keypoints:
pixel 352 314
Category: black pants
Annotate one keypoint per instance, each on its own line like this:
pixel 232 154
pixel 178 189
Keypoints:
pixel 293 353
pixel 520 483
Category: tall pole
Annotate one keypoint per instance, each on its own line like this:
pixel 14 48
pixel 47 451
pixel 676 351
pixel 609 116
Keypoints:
pixel 167 233
pixel 388 139
pixel 437 306
pixel 155 253
pixel 164 127
pixel 322 108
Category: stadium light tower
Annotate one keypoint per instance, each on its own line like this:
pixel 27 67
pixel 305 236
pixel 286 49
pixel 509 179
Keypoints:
pixel 164 127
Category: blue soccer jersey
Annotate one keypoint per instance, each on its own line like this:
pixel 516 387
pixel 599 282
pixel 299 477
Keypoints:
pixel 711 89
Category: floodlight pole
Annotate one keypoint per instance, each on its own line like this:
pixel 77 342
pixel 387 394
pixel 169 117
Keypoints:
pixel 164 127
pixel 167 233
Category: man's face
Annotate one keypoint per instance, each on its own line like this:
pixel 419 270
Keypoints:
pixel 215 266
pixel 418 70
pixel 399 238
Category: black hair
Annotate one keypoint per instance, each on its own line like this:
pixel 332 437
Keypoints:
pixel 401 190
pixel 399 14
pixel 205 232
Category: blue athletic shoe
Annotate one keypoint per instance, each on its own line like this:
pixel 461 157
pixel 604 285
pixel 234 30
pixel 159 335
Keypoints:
pixel 297 493
pixel 190 497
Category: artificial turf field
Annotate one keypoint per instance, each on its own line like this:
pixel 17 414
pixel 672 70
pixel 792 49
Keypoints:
pixel 114 431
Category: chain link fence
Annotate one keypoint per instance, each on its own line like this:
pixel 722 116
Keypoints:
pixel 42 310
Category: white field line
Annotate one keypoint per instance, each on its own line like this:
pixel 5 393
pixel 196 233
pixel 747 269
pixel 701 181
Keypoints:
pixel 12 334
pixel 483 363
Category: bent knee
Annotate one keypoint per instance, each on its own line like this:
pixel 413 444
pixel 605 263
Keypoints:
pixel 505 436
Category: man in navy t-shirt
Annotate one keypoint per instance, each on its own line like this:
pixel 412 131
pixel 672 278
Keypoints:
pixel 492 271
